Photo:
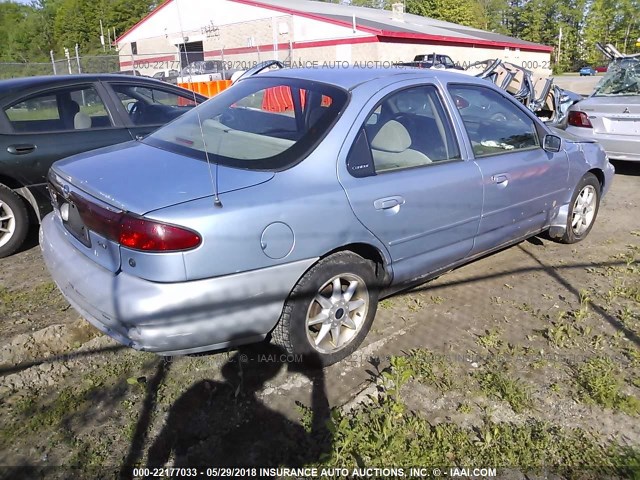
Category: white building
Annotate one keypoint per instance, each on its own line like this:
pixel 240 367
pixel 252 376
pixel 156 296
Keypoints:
pixel 305 32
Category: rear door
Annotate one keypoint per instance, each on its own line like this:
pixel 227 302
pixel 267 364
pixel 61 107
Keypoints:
pixel 522 182
pixel 51 124
pixel 409 185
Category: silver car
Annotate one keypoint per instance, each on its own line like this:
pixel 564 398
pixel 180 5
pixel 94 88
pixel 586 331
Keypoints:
pixel 289 204
pixel 611 114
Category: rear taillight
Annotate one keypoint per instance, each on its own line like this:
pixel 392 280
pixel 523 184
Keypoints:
pixel 579 119
pixel 132 231
pixel 141 234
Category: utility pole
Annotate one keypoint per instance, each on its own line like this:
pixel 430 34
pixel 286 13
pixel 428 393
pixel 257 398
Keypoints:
pixel 558 53
pixel 53 62
pixel 68 56
pixel 102 37
pixel 78 59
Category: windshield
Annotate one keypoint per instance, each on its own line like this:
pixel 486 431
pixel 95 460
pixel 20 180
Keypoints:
pixel 622 78
pixel 259 123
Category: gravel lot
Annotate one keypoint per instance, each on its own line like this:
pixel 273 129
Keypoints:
pixel 544 315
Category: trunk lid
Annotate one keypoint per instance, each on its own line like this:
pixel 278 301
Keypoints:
pixel 615 115
pixel 139 178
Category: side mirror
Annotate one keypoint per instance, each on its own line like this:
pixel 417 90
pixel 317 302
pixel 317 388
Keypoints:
pixel 552 143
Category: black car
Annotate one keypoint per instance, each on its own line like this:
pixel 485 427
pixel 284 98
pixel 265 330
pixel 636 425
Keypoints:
pixel 44 119
pixel 169 76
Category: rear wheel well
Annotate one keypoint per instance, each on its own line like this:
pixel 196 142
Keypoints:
pixel 370 253
pixel 10 182
pixel 14 185
pixel 599 175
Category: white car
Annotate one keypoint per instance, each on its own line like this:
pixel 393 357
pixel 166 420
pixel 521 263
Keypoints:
pixel 611 114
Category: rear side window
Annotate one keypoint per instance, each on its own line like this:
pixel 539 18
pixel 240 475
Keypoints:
pixel 407 129
pixel 494 124
pixel 260 123
pixel 77 108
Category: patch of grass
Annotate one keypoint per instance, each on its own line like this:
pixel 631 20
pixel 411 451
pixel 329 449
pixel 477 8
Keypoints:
pixel 41 412
pixel 25 300
pixel 583 311
pixel 386 303
pixel 414 304
pixel 559 334
pixel 563 334
pixel 383 432
pixel 600 381
pixel 428 368
pixel 631 292
pixel 496 384
pixel 464 407
pixel 633 354
pixel 436 299
pixel 490 339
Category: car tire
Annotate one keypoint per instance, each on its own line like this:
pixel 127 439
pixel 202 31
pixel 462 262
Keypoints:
pixel 583 209
pixel 14 222
pixel 320 324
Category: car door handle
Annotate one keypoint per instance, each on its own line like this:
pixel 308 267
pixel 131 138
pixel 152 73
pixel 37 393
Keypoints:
pixel 501 178
pixel 21 148
pixel 388 202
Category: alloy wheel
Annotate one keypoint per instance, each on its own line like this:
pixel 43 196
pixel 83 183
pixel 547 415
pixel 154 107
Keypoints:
pixel 337 313
pixel 584 209
pixel 7 223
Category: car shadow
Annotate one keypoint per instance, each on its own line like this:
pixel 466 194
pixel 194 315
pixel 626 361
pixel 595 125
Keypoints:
pixel 631 169
pixel 31 240
pixel 225 423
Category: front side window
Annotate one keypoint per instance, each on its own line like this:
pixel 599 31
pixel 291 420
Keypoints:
pixel 260 123
pixel 494 124
pixel 78 108
pixel 152 106
pixel 407 129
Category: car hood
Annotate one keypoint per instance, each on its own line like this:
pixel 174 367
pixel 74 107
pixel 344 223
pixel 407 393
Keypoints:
pixel 140 178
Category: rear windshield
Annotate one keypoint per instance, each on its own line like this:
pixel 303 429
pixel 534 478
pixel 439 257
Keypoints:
pixel 622 78
pixel 258 124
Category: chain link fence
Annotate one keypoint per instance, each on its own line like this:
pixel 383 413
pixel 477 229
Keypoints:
pixel 73 65
pixel 144 64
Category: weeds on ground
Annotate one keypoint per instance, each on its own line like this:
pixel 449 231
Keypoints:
pixel 496 384
pixel 599 381
pixel 25 300
pixel 428 368
pixel 490 339
pixel 386 303
pixel 384 432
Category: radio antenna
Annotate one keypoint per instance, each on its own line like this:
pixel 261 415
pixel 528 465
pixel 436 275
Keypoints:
pixel 213 178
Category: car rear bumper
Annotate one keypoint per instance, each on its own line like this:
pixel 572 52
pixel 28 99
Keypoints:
pixel 168 318
pixel 618 147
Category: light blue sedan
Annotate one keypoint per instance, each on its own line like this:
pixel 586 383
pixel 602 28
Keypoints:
pixel 289 204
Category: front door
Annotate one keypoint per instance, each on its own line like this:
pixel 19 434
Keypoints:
pixel 522 182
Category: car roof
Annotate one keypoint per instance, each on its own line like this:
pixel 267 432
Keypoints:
pixel 351 77
pixel 14 85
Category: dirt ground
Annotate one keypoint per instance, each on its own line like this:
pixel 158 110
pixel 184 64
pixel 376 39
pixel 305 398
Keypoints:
pixel 540 333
